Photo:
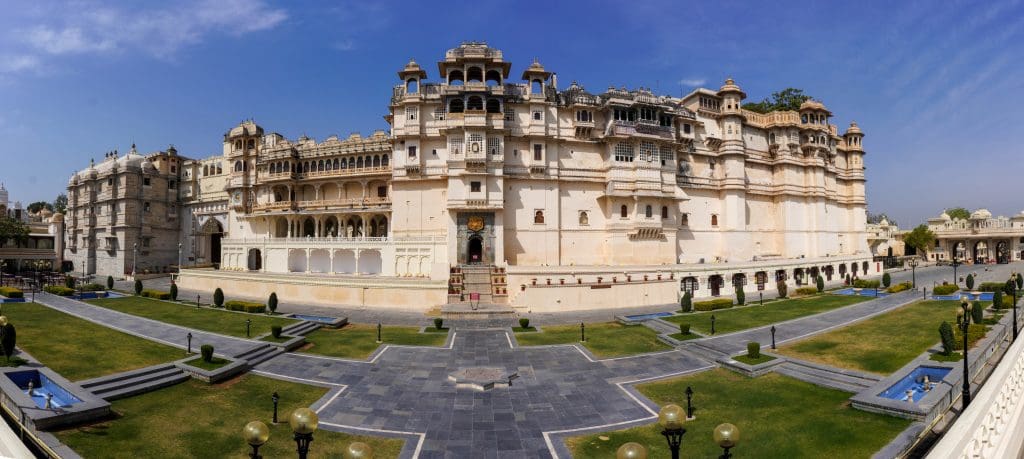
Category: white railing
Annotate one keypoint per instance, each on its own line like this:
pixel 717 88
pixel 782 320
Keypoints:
pixel 993 425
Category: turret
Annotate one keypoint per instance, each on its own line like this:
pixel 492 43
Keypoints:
pixel 412 75
pixel 853 137
pixel 537 77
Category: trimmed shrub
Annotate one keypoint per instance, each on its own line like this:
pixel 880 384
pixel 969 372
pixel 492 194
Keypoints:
pixel 9 340
pixel 997 299
pixel 1020 281
pixel 110 282
pixel 524 322
pixel 820 283
pixel 970 282
pixel 686 303
pixel 741 297
pixel 946 333
pixel 754 350
pixel 138 287
pixel 975 332
pixel 977 312
pixel 1010 287
pixel 58 290
pixel 11 292
pixel 69 282
pixel 245 306
pixel 207 351
pixel 807 290
pixel 218 298
pixel 684 329
pixel 899 287
pixel 713 305
pixel 275 331
pixel 946 289
pixel 174 291
pixel 990 286
pixel 91 288
pixel 886 280
pixel 439 323
pixel 863 283
pixel 780 286
pixel 156 294
pixel 1007 302
pixel 272 302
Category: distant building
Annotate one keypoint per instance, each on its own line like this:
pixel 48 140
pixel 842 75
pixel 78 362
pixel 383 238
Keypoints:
pixel 44 248
pixel 885 239
pixel 981 238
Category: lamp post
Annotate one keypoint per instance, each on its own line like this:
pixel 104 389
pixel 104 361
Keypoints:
pixel 712 324
pixel 727 436
pixel 964 325
pixel 583 333
pixel 689 404
pixel 256 434
pixel 913 272
pixel 303 422
pixel 671 419
pixel 197 301
pixel 956 264
pixel 135 258
pixel 248 323
pixel 773 337
pixel 188 350
pixel 359 450
pixel 631 450
pixel 379 340
pixel 179 258
pixel 1013 291
pixel 275 399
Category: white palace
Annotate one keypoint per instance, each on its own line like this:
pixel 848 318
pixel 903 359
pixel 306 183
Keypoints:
pixel 525 193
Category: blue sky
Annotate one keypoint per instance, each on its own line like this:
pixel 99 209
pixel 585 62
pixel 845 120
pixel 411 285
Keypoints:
pixel 936 85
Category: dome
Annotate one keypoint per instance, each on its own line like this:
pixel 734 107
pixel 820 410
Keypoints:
pixel 730 86
pixel 45 213
pixel 945 216
pixel 57 218
pixel 884 223
pixel 981 214
pixel 854 129
pixel 1019 216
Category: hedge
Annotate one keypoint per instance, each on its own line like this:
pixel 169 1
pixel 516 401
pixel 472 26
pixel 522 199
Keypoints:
pixel 807 290
pixel 91 288
pixel 899 287
pixel 946 289
pixel 975 332
pixel 11 292
pixel 157 294
pixel 712 305
pixel 59 290
pixel 862 283
pixel 991 286
pixel 247 306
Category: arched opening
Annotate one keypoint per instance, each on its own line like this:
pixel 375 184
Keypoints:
pixel 493 76
pixel 829 271
pixel 359 162
pixel 331 227
pixel 455 106
pixel 213 232
pixel 739 280
pixel 864 265
pixel 622 211
pixel 664 212
pixel 814 273
pixel 475 103
pixel 308 227
pixel 715 283
pixel 297 261
pixel 238 166
pixel 798 276
pixel 493 106
pixel 584 218
pixel 689 284
pixel 648 212
pixel 474 75
pixel 384 160
pixel 456 78
pixel 980 252
pixel 1002 252
pixel 780 275
pixel 853 269
pixel 538 217
pixel 370 262
pixel 281 228
pixel 842 270
pixel 344 261
pixel 536 87
pixel 412 86
pixel 475 250
pixel 761 278
pixel 255 261
pixel 960 251
pixel 319 261
pixel 320 166
pixel 376 161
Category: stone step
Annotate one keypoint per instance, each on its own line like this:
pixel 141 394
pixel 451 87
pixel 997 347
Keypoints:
pixel 135 382
pixel 825 378
pixel 150 386
pixel 300 329
pixel 661 326
pixel 704 352
pixel 260 354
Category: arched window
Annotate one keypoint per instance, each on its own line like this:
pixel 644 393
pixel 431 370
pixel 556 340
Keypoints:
pixel 384 161
pixel 359 162
pixel 622 211
pixel 305 166
pixel 647 212
pixel 412 86
pixel 376 161
pixel 493 106
pixel 455 77
pixel 538 217
pixel 475 103
pixel 250 144
pixel 335 163
pixel 714 220
pixel 493 75
pixel 536 87
pixel 320 166
pixel 455 106
pixel 238 145
pixel 474 74
pixel 220 170
pixel 327 165
pixel 664 212
pixel 206 171
pixel 351 163
pixel 584 218
pixel 803 119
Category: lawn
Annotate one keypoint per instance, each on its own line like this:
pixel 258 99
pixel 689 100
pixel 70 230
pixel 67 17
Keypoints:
pixel 79 349
pixel 777 417
pixel 357 341
pixel 881 344
pixel 730 320
pixel 213 364
pixel 206 319
pixel 608 339
pixel 195 419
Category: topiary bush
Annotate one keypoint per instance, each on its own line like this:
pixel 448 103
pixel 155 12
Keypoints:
pixel 156 294
pixel 438 323
pixel 686 302
pixel 1007 302
pixel 975 332
pixel 713 305
pixel 990 286
pixel 207 351
pixel 218 297
pixel 684 329
pixel 272 302
pixel 863 283
pixel 807 290
pixel 1020 281
pixel 524 322
pixel 780 286
pixel 8 340
pixel 275 331
pixel 110 282
pixel 969 282
pixel 899 287
pixel 946 334
pixel 91 288
pixel 174 291
pixel 997 299
pixel 754 350
pixel 945 289
pixel 977 312
pixel 69 282
pixel 820 283
pixel 138 287
pixel 886 280
pixel 11 292
pixel 245 306
pixel 59 290
pixel 741 297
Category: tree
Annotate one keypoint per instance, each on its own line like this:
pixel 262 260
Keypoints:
pixel 686 303
pixel 174 291
pixel 781 287
pixel 60 204
pixel 997 299
pixel 958 213
pixel 110 282
pixel 886 280
pixel 8 339
pixel 820 283
pixel 35 207
pixel 787 99
pixel 138 287
pixel 218 297
pixel 877 218
pixel 1020 281
pixel 969 282
pixel 977 312
pixel 12 230
pixel 920 238
pixel 741 297
pixel 272 302
pixel 946 333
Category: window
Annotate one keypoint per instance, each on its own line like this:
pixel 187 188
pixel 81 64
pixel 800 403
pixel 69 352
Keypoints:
pixel 538 217
pixel 646 114
pixel 584 218
pixel 510 114
pixel 585 116
pixel 538 115
pixel 475 103
pixel 439 113
pixel 666 154
pixel 647 211
pixel 689 284
pixel 622 211
pixel 456 106
pixel 382 191
pixel 455 145
pixel 174 169
pixel 411 113
pixel 664 212
pixel 684 220
pixel 803 119
pixel 647 151
pixel 665 120
pixel 110 182
pixel 494 145
pixel 145 242
pixel 474 187
pixel 538 152
pixel 145 181
pixel 493 106
pixel 623 114
pixel 238 166
pixel 686 128
pixel 412 152
pixel 714 220
pixel 172 184
pixel 145 207
pixel 624 152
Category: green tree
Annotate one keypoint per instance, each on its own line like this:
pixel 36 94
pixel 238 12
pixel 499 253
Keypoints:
pixel 60 204
pixel 686 302
pixel 110 282
pixel 12 230
pixel 920 238
pixel 977 312
pixel 969 281
pixel 272 302
pixel 741 297
pixel 997 299
pixel 946 333
pixel 1020 281
pixel 958 213
pixel 787 99
pixel 218 297
pixel 781 287
pixel 886 280
pixel 174 291
pixel 820 283
pixel 39 205
pixel 8 339
pixel 138 287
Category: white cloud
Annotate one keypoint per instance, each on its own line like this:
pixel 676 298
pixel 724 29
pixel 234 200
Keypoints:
pixel 692 82
pixel 345 45
pixel 18 63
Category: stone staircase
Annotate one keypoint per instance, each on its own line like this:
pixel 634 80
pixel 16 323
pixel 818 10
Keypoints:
pixel 300 329
pixel 260 354
pixel 129 383
pixel 825 376
pixel 477 279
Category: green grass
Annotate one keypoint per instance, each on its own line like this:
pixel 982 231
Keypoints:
pixel 356 341
pixel 952 357
pixel 435 330
pixel 881 344
pixel 195 419
pixel 213 364
pixel 735 319
pixel 608 339
pixel 206 319
pixel 529 329
pixel 777 417
pixel 79 349
pixel 752 361
pixel 686 337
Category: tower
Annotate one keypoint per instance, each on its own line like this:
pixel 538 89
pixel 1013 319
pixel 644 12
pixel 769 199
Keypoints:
pixel 733 156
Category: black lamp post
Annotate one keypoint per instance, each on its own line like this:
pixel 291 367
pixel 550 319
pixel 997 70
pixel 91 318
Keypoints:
pixel 671 419
pixel 248 324
pixel 275 398
pixel 1013 291
pixel 760 295
pixel 727 436
pixel 188 350
pixel 378 333
pixel 964 325
pixel 689 404
pixel 913 272
pixel 197 301
pixel 712 324
pixel 773 337
pixel 256 434
pixel 583 333
pixel 956 264
pixel 303 422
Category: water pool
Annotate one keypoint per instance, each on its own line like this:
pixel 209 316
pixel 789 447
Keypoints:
pixel 982 296
pixel 863 292
pixel 40 388
pixel 916 384
pixel 311 318
pixel 653 315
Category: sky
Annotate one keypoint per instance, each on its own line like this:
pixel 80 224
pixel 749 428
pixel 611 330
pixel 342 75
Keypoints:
pixel 935 85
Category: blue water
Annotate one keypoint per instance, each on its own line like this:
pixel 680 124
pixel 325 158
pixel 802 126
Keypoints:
pixel 310 318
pixel 984 296
pixel 863 292
pixel 915 382
pixel 41 387
pixel 654 315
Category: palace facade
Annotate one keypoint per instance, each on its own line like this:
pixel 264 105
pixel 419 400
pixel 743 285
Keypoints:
pixel 979 239
pixel 532 195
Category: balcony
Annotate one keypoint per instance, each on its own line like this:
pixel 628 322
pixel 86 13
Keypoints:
pixel 350 203
pixel 272 206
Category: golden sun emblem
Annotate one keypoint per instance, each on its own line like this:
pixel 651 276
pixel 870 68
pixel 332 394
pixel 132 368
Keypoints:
pixel 476 223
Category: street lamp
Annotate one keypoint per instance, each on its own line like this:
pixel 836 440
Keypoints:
pixel 256 434
pixel 275 399
pixel 304 422
pixel 188 350
pixel 360 450
pixel 179 258
pixel 135 258
pixel 1013 291
pixel 583 333
pixel 727 436
pixel 913 272
pixel 248 323
pixel 964 326
pixel 671 419
pixel 712 324
pixel 631 450
pixel 956 264
pixel 689 404
pixel 773 336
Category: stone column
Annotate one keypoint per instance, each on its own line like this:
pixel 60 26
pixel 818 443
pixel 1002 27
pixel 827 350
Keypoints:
pixel 357 253
pixel 307 261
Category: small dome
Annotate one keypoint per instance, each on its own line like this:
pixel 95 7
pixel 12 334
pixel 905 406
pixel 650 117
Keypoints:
pixel 854 129
pixel 981 214
pixel 730 86
pixel 811 104
pixel 884 223
pixel 45 213
pixel 57 218
pixel 945 216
